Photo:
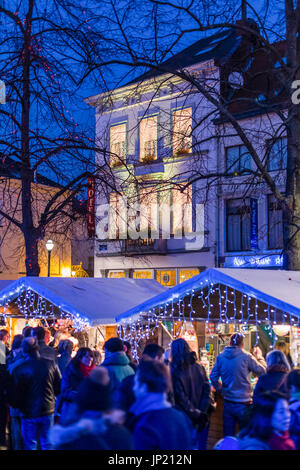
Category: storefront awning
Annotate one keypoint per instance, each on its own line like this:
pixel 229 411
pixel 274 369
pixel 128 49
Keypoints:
pixel 276 288
pixel 94 300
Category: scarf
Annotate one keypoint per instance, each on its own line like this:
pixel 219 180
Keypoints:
pixel 150 402
pixel 281 442
pixel 85 370
pixel 277 368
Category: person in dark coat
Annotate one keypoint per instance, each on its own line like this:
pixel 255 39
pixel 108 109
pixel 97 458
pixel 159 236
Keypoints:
pixel 157 425
pixel 78 368
pixel 275 378
pixel 35 384
pixel 93 425
pixel 15 358
pixel 191 389
pixel 128 352
pixel 293 382
pixel 65 348
pixel 124 396
pixel 116 362
pixel 4 354
pixel 45 351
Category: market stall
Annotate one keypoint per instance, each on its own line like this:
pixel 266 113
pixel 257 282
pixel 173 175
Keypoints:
pixel 209 307
pixel 87 306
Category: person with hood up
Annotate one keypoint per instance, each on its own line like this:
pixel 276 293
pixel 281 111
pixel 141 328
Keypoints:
pixel 116 362
pixel 234 366
pixel 93 423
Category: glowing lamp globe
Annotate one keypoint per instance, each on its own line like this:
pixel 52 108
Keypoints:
pixel 281 330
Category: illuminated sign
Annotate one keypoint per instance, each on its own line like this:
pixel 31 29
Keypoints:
pixel 261 261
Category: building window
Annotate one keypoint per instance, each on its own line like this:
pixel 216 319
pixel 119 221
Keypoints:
pixel 148 139
pixel 142 274
pixel 116 274
pixel 238 222
pixel 181 211
pixel 182 131
pixel 118 145
pixel 277 154
pixel 117 221
pixel 238 160
pixel 166 277
pixel 275 224
pixel 185 274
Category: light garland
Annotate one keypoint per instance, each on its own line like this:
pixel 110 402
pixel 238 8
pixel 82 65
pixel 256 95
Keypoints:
pixel 32 305
pixel 226 310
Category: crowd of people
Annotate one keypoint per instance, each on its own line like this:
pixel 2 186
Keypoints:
pixel 51 398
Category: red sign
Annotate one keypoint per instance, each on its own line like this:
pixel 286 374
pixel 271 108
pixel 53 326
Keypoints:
pixel 91 206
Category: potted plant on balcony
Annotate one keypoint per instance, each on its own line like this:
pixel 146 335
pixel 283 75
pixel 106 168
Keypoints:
pixel 182 151
pixel 148 158
pixel 117 163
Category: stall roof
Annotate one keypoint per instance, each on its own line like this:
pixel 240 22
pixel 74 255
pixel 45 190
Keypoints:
pixel 278 288
pixel 99 300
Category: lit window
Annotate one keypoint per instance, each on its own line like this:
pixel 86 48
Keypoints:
pixel 117 145
pixel 182 131
pixel 187 274
pixel 181 211
pixel 116 274
pixel 142 275
pixel 166 277
pixel 148 139
pixel 117 216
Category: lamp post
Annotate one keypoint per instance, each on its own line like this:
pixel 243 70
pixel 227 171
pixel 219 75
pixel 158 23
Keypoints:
pixel 49 246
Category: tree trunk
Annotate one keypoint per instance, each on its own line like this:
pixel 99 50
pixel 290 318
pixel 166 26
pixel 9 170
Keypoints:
pixel 29 231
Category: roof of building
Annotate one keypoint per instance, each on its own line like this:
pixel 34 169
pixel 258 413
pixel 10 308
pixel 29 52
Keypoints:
pixel 95 300
pixel 10 168
pixel 218 46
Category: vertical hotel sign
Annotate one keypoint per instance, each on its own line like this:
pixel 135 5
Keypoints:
pixel 91 206
pixel 254 224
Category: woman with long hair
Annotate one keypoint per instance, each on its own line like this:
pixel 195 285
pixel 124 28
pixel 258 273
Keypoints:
pixel 191 389
pixel 276 375
pixel 79 368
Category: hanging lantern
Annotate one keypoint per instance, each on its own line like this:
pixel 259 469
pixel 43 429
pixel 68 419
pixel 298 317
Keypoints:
pixel 281 330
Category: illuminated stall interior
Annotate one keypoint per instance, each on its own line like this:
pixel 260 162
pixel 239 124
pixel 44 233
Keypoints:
pixel 206 309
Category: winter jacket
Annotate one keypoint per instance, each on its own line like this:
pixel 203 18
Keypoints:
pixel 71 380
pixel 159 426
pixel 63 361
pixel 102 435
pixel 272 380
pixel 295 422
pixel 35 384
pixel 191 391
pixel 252 443
pixel 117 365
pixel 234 365
pixel 46 352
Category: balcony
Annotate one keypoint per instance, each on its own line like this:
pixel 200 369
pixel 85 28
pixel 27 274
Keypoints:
pixel 144 246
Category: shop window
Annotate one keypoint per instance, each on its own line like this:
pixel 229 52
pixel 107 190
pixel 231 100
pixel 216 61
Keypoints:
pixel 238 223
pixel 277 154
pixel 166 277
pixel 116 274
pixel 187 274
pixel 238 160
pixel 182 131
pixel 148 139
pixel 275 224
pixel 142 275
pixel 117 145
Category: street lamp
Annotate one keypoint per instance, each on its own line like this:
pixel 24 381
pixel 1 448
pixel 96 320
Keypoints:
pixel 49 246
